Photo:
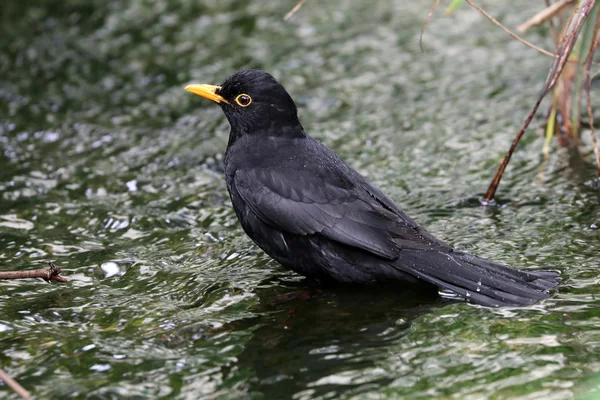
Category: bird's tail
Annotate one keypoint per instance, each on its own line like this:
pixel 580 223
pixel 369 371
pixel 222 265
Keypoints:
pixel 477 280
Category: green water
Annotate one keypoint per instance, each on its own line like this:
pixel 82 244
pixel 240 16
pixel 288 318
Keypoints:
pixel 110 169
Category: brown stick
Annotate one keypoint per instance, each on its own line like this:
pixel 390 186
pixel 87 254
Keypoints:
pixel 14 385
pixel 49 274
pixel 552 25
pixel 547 13
pixel 564 49
pixel 505 29
pixel 497 23
pixel 293 11
pixel 435 6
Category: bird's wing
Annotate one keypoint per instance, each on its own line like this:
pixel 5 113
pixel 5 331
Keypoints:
pixel 305 204
pixel 406 221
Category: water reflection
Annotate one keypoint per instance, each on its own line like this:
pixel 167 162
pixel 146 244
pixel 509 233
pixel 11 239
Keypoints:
pixel 314 340
pixel 110 169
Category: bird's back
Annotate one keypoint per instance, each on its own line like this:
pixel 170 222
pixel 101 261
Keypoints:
pixel 306 208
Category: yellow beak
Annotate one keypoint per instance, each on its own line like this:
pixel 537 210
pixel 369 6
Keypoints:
pixel 207 91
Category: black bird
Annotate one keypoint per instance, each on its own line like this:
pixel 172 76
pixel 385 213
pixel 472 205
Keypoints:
pixel 310 211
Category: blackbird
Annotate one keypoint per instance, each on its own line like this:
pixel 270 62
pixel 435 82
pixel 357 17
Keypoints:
pixel 311 212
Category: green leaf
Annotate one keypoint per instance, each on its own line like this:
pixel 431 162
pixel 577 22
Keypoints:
pixel 453 6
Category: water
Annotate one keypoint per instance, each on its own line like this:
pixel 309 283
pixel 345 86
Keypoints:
pixel 113 171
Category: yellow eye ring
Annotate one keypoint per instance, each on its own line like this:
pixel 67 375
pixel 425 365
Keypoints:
pixel 243 100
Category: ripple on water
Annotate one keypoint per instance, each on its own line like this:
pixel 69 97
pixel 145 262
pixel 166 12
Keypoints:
pixel 114 172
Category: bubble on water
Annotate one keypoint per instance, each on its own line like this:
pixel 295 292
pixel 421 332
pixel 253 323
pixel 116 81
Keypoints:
pixel 110 269
pixel 100 367
pixel 132 185
pixel 51 136
pixel 88 347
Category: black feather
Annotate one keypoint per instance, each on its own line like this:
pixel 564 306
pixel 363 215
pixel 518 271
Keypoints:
pixel 304 206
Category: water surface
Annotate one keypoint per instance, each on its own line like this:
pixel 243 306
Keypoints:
pixel 110 169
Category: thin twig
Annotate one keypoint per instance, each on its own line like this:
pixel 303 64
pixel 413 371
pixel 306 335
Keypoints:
pixel 496 22
pixel 293 11
pixel 563 51
pixel 505 29
pixel 435 6
pixel 553 29
pixel 546 14
pixel 49 274
pixel 14 385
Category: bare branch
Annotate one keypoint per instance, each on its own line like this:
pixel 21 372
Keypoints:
pixel 293 11
pixel 553 29
pixel 435 6
pixel 562 53
pixel 14 385
pixel 505 29
pixel 49 274
pixel 546 14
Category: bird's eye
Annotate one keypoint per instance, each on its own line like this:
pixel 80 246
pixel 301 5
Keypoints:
pixel 243 100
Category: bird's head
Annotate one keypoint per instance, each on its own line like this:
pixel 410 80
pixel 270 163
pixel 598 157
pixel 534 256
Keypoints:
pixel 254 103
